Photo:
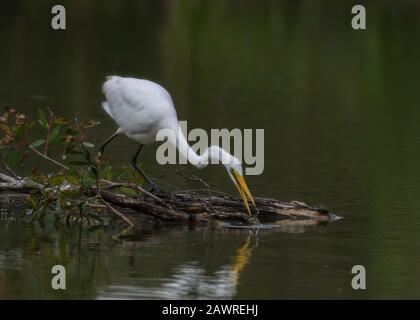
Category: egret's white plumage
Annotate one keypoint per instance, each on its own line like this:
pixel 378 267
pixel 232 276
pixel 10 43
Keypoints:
pixel 141 108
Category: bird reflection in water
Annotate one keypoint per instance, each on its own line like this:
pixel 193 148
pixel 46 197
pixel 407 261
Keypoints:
pixel 190 280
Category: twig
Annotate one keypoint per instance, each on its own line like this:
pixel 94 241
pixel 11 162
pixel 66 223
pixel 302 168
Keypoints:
pixel 98 194
pixel 113 185
pixel 10 170
pixel 95 205
pixel 7 178
pixel 47 157
pixel 169 185
pixel 192 178
pixel 186 191
pixel 119 214
pixel 47 138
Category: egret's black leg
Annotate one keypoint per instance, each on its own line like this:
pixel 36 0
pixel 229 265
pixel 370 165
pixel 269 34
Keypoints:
pixel 136 167
pixel 101 149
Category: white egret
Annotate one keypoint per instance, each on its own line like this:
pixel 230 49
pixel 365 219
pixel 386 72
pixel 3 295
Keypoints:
pixel 141 108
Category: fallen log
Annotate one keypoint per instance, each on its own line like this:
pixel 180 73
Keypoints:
pixel 199 207
pixel 180 206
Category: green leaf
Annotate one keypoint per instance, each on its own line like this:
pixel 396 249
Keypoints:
pixel 88 183
pixel 61 121
pixel 88 145
pixel 19 133
pixel 118 174
pixel 129 191
pixel 42 118
pixel 37 143
pixel 54 134
pixel 73 179
pixel 56 180
pixel 33 201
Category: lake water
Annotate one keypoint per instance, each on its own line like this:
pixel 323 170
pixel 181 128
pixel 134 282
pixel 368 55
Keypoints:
pixel 340 110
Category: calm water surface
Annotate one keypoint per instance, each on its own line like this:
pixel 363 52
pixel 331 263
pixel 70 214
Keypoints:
pixel 340 111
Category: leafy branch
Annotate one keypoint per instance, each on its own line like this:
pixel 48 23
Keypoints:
pixel 69 190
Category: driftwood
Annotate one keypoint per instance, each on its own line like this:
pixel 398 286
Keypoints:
pixel 197 207
pixel 181 206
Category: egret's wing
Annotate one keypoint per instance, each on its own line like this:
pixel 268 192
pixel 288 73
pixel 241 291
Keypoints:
pixel 138 106
pixel 105 106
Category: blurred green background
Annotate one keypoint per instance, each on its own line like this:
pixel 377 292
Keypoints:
pixel 340 109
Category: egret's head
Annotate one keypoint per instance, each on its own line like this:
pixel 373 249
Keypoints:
pixel 235 172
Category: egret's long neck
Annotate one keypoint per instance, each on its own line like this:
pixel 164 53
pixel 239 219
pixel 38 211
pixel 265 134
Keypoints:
pixel 213 153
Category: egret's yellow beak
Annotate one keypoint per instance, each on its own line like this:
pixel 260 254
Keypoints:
pixel 243 191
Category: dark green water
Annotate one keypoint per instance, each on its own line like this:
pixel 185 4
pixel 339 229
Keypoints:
pixel 340 109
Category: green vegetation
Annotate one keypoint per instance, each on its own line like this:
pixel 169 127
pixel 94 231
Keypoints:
pixel 71 192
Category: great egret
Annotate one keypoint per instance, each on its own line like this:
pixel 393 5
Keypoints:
pixel 141 108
